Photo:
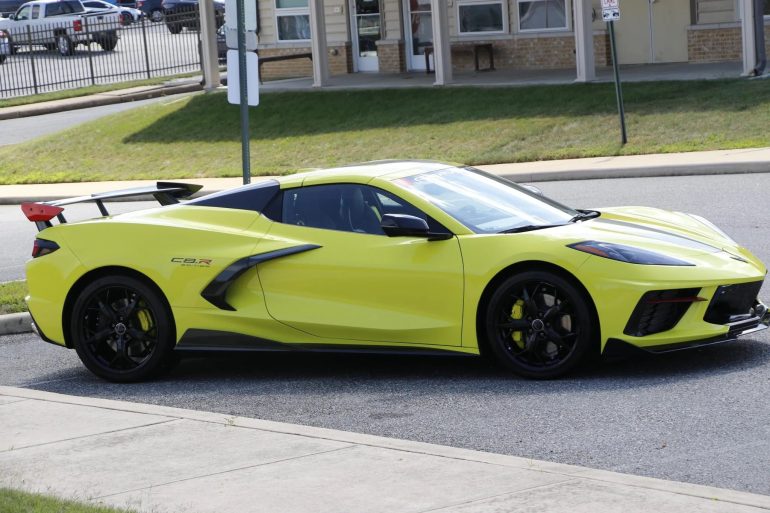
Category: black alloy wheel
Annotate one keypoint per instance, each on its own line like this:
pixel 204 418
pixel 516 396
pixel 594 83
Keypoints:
pixel 64 45
pixel 122 330
pixel 539 325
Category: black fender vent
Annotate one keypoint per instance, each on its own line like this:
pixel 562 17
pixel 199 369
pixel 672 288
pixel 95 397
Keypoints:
pixel 660 310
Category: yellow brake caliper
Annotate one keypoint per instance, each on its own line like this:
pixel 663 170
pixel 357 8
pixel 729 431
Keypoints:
pixel 517 312
pixel 145 321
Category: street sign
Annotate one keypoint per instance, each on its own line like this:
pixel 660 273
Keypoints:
pixel 610 10
pixel 250 16
pixel 234 78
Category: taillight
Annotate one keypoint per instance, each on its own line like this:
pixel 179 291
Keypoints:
pixel 77 25
pixel 43 247
pixel 40 211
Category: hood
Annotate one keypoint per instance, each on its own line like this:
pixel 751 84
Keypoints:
pixel 670 233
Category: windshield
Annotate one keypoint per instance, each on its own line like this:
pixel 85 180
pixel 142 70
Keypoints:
pixel 485 203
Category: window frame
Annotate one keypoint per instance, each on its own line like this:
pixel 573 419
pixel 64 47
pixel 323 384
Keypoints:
pixel 280 12
pixel 567 18
pixel 275 209
pixel 504 8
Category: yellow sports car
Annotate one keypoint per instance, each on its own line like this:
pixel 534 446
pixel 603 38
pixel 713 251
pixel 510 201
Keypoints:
pixel 398 256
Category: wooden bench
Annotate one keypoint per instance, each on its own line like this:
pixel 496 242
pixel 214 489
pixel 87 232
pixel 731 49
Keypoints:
pixel 276 58
pixel 476 47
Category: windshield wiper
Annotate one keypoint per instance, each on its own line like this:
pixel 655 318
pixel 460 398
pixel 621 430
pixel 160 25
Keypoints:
pixel 584 215
pixel 529 228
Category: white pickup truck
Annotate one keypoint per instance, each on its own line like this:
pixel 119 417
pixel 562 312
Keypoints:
pixel 61 25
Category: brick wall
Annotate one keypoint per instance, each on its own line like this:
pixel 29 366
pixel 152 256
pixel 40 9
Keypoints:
pixel 549 52
pixel 340 62
pixel 391 56
pixel 720 43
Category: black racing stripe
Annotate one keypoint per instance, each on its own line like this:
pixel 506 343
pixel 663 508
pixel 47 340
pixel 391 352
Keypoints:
pixel 663 236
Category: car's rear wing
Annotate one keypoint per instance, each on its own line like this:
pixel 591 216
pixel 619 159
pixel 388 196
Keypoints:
pixel 166 193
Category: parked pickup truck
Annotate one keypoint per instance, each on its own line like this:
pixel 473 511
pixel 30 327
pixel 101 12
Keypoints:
pixel 61 25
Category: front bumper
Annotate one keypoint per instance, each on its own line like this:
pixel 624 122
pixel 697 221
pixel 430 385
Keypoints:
pixel 758 322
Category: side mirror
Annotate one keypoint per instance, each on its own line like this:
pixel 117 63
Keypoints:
pixel 396 225
pixel 532 188
pixel 11 16
pixel 403 225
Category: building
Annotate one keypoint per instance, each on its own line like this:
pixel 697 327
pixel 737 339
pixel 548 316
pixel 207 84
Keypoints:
pixel 391 36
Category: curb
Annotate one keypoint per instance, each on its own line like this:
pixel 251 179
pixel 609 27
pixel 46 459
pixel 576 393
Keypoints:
pixel 96 100
pixel 11 324
pixel 710 493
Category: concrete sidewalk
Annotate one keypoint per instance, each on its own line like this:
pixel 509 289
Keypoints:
pixel 159 459
pixel 752 160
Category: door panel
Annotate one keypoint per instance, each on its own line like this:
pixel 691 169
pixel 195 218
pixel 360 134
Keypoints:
pixel 419 32
pixel 670 19
pixel 363 287
pixel 366 25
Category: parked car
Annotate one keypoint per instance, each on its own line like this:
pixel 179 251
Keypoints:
pixel 5 45
pixel 222 44
pixel 383 256
pixel 153 9
pixel 181 14
pixel 61 25
pixel 128 15
pixel 10 6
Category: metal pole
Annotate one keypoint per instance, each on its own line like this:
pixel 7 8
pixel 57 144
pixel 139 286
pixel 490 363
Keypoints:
pixel 90 57
pixel 245 156
pixel 146 49
pixel 618 89
pixel 32 59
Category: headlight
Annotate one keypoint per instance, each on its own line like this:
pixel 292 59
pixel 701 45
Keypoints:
pixel 626 254
pixel 711 225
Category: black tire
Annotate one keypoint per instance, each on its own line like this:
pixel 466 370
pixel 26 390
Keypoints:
pixel 2 59
pixel 108 43
pixel 50 46
pixel 126 18
pixel 157 15
pixel 64 45
pixel 174 28
pixel 539 325
pixel 122 329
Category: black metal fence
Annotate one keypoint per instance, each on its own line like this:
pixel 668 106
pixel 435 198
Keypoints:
pixel 59 56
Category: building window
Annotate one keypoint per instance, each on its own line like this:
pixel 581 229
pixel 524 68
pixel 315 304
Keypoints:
pixel 542 15
pixel 482 16
pixel 292 19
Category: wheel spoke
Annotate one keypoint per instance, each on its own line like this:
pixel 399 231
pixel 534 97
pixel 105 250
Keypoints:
pixel 99 336
pixel 108 312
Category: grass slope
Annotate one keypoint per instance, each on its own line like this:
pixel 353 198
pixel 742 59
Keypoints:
pixel 12 299
pixel 200 136
pixel 12 501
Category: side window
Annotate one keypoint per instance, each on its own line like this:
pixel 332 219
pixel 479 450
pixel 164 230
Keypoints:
pixel 344 207
pixel 35 12
pixel 53 9
pixel 23 13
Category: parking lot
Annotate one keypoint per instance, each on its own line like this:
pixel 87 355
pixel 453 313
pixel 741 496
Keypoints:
pixel 695 416
pixel 145 50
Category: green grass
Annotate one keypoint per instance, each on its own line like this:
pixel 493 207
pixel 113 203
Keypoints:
pixel 12 501
pixel 12 299
pixel 83 91
pixel 200 136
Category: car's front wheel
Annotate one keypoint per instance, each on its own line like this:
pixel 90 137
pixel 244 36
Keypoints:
pixel 538 324
pixel 122 329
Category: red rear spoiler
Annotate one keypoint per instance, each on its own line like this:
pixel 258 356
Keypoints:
pixel 166 193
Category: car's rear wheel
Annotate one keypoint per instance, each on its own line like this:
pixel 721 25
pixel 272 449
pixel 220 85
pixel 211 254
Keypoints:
pixel 122 329
pixel 64 45
pixel 156 16
pixel 538 324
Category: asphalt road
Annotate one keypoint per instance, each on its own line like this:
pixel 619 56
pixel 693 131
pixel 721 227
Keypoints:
pixel 698 416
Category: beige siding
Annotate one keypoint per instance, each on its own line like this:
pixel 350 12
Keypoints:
pixel 336 12
pixel 715 11
pixel 267 32
pixel 392 19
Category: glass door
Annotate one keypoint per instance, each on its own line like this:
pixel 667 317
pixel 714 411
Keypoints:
pixel 367 28
pixel 419 30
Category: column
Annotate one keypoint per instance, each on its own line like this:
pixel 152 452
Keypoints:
pixel 584 42
pixel 318 43
pixel 442 55
pixel 210 57
pixel 747 36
